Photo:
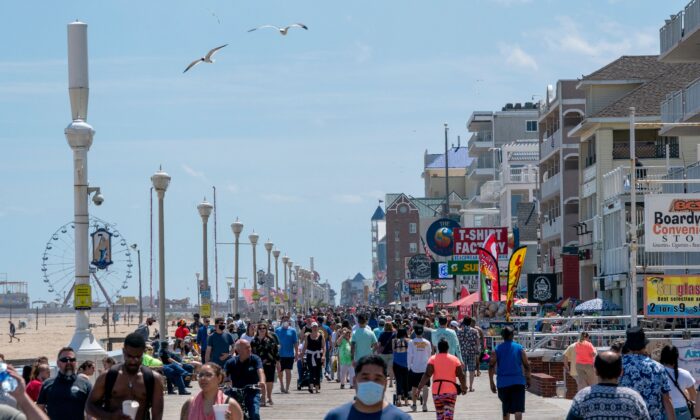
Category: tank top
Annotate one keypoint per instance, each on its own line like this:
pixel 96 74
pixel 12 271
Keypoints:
pixel 314 345
pixel 444 377
pixel 509 369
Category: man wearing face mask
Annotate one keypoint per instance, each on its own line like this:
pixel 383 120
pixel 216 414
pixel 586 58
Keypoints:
pixel 219 344
pixel 288 352
pixel 370 385
pixel 64 396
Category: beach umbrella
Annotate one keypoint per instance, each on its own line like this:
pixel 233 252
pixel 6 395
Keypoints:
pixel 596 305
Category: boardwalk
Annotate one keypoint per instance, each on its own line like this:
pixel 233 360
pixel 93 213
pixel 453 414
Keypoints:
pixel 478 405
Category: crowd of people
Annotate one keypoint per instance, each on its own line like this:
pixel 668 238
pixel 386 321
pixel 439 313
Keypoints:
pixel 414 355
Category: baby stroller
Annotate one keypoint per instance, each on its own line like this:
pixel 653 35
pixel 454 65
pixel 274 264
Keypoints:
pixel 304 379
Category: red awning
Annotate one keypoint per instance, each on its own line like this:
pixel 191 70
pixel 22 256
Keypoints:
pixel 469 300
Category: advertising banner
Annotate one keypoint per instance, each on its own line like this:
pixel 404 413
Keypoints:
pixel 541 288
pixel 672 222
pixel 440 236
pixel 515 267
pixel 488 271
pixel 440 271
pixel 205 310
pixel 415 288
pixel 467 240
pixel 464 268
pixel 419 266
pixel 672 296
pixel 101 248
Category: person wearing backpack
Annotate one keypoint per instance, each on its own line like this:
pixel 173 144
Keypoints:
pixel 128 381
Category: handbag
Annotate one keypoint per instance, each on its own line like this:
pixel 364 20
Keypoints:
pixel 691 404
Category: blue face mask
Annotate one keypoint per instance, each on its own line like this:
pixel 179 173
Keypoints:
pixel 369 392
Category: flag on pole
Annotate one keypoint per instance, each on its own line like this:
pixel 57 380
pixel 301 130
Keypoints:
pixel 488 274
pixel 426 249
pixel 515 267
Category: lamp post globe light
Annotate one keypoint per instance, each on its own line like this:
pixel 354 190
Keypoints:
pixel 268 247
pixel 79 136
pixel 161 181
pixel 205 208
pixel 237 228
pixel 253 237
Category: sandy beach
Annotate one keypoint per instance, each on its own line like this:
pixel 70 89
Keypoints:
pixel 53 332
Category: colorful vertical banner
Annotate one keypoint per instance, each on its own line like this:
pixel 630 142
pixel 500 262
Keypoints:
pixel 515 267
pixel 490 245
pixel 488 273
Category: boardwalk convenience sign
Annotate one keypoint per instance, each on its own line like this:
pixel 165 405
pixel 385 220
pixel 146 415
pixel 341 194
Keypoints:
pixel 672 296
pixel 672 222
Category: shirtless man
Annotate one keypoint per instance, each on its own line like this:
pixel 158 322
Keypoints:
pixel 129 383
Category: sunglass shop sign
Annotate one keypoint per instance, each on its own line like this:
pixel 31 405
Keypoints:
pixel 672 222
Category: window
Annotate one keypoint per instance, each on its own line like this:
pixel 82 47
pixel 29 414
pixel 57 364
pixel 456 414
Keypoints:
pixel 396 235
pixel 412 228
pixel 531 126
pixel 413 248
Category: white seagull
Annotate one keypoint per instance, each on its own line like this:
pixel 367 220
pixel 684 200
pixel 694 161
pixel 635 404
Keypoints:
pixel 206 58
pixel 283 30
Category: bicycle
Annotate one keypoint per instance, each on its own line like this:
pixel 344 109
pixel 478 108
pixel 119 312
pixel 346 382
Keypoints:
pixel 239 395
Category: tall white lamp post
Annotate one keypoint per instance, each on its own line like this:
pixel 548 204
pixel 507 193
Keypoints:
pixel 205 209
pixel 276 254
pixel 285 260
pixel 268 247
pixel 256 297
pixel 79 135
pixel 237 228
pixel 160 181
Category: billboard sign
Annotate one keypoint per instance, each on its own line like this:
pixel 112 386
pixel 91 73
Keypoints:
pixel 419 266
pixel 672 222
pixel 467 240
pixel 101 248
pixel 541 288
pixel 440 236
pixel 464 268
pixel 672 296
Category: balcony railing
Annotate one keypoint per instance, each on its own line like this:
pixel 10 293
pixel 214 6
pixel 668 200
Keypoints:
pixel 671 32
pixel 691 95
pixel 617 181
pixel 490 192
pixel 551 185
pixel 527 175
pixel 672 107
pixel 645 150
pixel 552 227
pixel 551 142
pixel 589 173
pixel 615 260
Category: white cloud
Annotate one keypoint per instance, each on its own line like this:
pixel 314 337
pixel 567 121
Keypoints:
pixel 193 173
pixel 233 188
pixel 348 198
pixel 602 42
pixel 280 198
pixel 363 52
pixel 516 56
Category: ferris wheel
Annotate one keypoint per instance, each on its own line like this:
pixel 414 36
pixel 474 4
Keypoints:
pixel 58 263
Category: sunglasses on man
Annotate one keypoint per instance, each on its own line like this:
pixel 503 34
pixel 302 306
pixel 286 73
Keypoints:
pixel 67 360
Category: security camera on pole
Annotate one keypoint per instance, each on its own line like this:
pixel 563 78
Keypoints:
pixel 79 135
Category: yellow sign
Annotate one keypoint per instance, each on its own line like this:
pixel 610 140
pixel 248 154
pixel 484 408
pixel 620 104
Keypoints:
pixel 256 295
pixel 277 300
pixel 672 296
pixel 82 297
pixel 205 310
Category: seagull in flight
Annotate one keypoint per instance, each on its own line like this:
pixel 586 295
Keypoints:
pixel 206 58
pixel 283 30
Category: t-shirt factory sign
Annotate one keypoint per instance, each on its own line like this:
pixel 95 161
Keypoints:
pixel 672 222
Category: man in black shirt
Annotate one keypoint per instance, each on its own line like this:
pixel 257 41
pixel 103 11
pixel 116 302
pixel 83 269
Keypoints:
pixel 247 369
pixel 64 396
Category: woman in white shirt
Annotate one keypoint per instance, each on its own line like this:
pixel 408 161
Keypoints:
pixel 681 382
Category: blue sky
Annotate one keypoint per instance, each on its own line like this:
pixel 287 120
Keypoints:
pixel 300 134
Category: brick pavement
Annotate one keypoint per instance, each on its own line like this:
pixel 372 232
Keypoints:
pixel 300 405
